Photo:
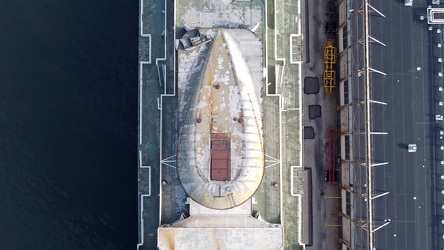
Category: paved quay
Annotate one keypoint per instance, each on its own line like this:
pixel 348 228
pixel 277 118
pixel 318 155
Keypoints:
pixel 156 70
pixel 321 218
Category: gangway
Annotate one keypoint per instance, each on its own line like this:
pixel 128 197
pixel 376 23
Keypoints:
pixel 329 76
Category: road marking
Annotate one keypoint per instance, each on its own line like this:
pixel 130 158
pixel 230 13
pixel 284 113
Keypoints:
pixel 149 173
pixel 169 161
pixel 142 197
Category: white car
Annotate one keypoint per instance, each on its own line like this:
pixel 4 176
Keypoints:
pixel 411 148
pixel 408 2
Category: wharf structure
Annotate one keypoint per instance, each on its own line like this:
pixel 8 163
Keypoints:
pixel 359 190
pixel 213 173
pixel 354 209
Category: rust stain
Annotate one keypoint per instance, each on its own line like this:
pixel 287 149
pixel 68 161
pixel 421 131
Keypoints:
pixel 170 236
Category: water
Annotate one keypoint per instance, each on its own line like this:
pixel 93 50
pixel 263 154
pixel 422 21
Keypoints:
pixel 68 124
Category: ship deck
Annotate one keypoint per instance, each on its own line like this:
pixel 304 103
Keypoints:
pixel 162 199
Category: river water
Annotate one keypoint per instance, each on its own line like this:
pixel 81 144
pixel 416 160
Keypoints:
pixel 68 124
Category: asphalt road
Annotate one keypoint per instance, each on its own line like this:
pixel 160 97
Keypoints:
pixel 320 211
pixel 408 118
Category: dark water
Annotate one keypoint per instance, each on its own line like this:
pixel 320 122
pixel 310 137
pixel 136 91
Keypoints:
pixel 68 124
